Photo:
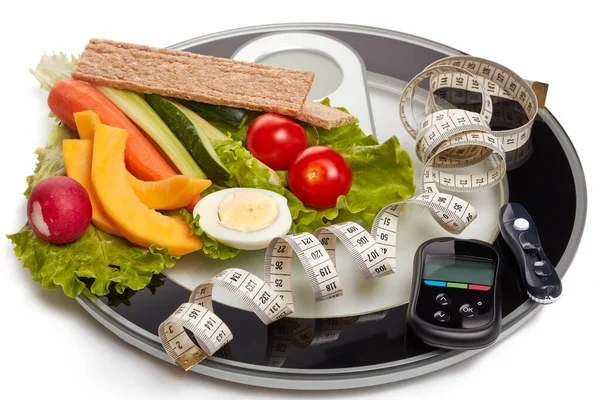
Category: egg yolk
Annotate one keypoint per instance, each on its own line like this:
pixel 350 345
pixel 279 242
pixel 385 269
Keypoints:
pixel 247 211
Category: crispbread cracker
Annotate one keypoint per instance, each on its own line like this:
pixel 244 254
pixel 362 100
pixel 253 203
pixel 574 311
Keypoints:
pixel 323 116
pixel 185 75
pixel 207 79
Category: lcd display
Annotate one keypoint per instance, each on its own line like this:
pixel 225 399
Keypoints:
pixel 479 271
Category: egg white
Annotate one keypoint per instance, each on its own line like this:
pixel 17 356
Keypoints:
pixel 208 207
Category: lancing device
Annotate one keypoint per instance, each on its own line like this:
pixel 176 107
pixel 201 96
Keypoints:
pixel 541 280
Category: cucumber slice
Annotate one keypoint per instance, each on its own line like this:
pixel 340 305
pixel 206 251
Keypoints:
pixel 233 116
pixel 194 133
pixel 137 109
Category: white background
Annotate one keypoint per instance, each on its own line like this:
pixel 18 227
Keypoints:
pixel 51 348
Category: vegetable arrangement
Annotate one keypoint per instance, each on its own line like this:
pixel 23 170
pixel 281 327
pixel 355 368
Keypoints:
pixel 159 177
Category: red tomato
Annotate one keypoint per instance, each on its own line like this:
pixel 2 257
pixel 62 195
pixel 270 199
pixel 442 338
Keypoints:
pixel 275 140
pixel 319 175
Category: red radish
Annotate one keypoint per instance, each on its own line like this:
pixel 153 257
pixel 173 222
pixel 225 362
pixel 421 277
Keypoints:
pixel 59 209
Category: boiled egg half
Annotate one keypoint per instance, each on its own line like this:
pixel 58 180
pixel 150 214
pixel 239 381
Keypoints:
pixel 244 218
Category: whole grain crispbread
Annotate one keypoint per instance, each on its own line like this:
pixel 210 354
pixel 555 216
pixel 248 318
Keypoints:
pixel 190 76
pixel 207 79
pixel 323 116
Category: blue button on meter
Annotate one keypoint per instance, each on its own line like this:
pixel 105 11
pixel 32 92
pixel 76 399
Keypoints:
pixel 435 283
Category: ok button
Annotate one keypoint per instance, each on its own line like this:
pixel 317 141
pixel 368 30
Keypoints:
pixel 467 310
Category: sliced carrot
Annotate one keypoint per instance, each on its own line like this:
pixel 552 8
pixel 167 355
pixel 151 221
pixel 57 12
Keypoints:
pixel 141 158
pixel 195 200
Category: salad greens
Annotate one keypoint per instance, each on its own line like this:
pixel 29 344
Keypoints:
pixel 106 259
pixel 50 158
pixel 211 247
pixel 96 255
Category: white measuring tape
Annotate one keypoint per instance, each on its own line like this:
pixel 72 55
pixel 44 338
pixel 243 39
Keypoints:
pixel 445 139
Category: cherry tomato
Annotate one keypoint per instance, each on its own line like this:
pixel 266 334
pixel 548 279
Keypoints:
pixel 275 140
pixel 319 175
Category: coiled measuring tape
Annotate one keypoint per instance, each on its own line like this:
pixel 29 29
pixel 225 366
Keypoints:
pixel 447 138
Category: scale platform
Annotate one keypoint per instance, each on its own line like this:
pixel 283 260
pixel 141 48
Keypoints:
pixel 360 339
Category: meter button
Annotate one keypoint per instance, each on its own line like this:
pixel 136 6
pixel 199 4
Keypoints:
pixel 483 288
pixel 529 242
pixel 467 310
pixel 521 224
pixel 441 316
pixel 443 299
pixel 542 270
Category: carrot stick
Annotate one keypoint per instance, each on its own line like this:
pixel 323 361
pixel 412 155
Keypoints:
pixel 141 158
pixel 195 200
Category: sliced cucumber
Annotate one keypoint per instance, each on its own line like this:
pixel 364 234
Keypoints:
pixel 194 133
pixel 215 135
pixel 233 116
pixel 137 109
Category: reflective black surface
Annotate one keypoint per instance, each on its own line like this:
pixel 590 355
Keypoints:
pixel 542 184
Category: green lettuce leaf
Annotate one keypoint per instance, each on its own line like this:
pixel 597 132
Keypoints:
pixel 211 247
pixel 246 170
pixel 50 158
pixel 96 255
pixel 53 68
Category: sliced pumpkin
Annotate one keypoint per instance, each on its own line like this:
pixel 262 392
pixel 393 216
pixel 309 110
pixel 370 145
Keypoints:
pixel 136 222
pixel 167 194
pixel 86 122
pixel 170 193
pixel 77 156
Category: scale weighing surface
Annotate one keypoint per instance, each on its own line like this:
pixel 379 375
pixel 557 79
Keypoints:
pixel 361 338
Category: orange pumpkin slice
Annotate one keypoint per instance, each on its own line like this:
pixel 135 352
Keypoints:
pixel 170 193
pixel 86 122
pixel 77 156
pixel 135 220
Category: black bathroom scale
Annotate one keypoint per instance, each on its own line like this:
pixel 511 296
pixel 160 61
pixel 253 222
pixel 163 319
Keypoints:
pixel 360 339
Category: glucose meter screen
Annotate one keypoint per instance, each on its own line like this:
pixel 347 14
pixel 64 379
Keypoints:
pixel 479 271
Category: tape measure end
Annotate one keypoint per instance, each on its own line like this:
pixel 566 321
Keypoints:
pixel 190 358
pixel 541 92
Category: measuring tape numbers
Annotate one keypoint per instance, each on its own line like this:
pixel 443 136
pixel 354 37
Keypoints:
pixel 447 138
pixel 450 137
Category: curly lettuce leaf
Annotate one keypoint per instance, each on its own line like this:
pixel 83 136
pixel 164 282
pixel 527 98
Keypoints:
pixel 246 170
pixel 53 68
pixel 50 158
pixel 211 248
pixel 96 255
